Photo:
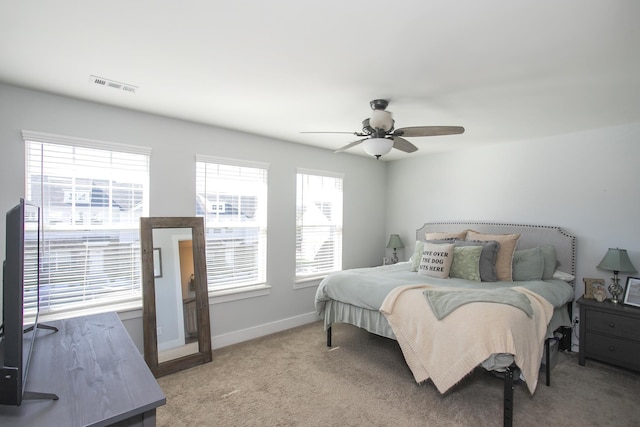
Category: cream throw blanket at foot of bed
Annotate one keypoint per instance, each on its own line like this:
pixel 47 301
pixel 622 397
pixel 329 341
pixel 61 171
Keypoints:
pixel 447 350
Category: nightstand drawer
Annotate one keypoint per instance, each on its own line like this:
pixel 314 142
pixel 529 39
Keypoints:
pixel 613 350
pixel 612 324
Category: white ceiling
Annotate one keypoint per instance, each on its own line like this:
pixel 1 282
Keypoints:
pixel 505 70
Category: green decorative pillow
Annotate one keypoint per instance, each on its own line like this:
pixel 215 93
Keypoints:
pixel 488 257
pixel 466 263
pixel 528 264
pixel 417 255
pixel 550 261
pixel 436 260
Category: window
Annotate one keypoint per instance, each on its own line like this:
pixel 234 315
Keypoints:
pixel 318 224
pixel 232 197
pixel 92 195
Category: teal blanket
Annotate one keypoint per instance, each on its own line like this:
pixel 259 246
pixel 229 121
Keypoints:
pixel 443 302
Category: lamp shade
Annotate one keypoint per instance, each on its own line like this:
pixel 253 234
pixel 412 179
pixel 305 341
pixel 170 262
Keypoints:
pixel 377 146
pixel 395 242
pixel 617 260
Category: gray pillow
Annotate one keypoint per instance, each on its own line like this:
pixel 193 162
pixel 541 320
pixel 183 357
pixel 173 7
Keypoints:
pixel 488 257
pixel 528 264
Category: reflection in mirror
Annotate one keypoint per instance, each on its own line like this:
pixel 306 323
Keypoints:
pixel 175 309
pixel 176 324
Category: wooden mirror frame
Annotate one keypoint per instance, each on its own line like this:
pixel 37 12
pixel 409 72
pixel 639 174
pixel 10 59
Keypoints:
pixel 149 323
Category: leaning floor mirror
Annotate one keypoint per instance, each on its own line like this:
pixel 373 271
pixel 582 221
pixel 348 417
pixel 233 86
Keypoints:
pixel 175 310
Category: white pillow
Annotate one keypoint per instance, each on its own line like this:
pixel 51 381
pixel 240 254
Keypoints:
pixel 563 276
pixel 436 260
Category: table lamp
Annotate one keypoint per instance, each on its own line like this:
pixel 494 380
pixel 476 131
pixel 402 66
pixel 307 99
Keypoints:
pixel 616 260
pixel 395 243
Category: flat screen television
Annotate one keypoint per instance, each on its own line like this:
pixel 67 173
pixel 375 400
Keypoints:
pixel 21 294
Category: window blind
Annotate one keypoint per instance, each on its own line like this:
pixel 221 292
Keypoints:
pixel 231 195
pixel 319 199
pixel 91 201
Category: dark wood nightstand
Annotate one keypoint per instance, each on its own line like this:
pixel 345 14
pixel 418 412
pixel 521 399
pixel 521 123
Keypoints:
pixel 609 333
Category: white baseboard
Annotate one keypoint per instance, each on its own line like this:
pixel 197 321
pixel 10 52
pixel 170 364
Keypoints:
pixel 223 340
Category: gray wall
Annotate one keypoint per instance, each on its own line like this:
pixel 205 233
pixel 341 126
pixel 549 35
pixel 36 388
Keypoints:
pixel 174 144
pixel 587 182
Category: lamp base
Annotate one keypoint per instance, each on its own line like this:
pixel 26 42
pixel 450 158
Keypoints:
pixel 615 289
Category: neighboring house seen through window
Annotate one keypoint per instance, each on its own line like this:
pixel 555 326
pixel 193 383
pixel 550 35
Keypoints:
pixel 92 195
pixel 318 224
pixel 231 195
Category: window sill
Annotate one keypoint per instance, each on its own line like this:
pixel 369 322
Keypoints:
pixel 133 309
pixel 234 294
pixel 308 282
pixel 126 310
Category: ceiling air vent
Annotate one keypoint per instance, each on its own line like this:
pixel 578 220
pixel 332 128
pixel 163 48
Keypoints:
pixel 101 81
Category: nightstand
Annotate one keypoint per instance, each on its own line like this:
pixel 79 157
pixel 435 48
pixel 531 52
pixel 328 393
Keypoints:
pixel 609 333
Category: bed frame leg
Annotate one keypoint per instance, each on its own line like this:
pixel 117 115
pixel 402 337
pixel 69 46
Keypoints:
pixel 508 396
pixel 329 336
pixel 547 360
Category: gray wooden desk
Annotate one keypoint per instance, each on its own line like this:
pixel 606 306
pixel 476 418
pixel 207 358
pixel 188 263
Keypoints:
pixel 95 369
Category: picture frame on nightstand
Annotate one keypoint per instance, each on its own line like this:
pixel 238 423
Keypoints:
pixel 632 291
pixel 591 285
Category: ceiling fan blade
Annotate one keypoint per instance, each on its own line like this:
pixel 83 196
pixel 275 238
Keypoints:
pixel 350 145
pixel 428 131
pixel 352 133
pixel 403 145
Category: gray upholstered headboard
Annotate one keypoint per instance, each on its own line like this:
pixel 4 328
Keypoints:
pixel 531 236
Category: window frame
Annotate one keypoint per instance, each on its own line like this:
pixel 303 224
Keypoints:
pixel 131 299
pixel 303 280
pixel 236 289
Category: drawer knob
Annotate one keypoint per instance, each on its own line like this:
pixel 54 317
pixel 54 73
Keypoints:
pixel 612 325
pixel 612 348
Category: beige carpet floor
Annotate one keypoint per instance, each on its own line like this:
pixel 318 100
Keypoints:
pixel 292 379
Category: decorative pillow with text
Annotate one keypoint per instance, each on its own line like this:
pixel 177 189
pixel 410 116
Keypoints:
pixel 436 260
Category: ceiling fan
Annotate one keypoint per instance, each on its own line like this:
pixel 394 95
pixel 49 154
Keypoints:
pixel 380 136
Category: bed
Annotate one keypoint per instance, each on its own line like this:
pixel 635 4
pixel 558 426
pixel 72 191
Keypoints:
pixel 399 301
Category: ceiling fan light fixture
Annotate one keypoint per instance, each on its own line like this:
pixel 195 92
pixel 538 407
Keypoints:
pixel 379 137
pixel 377 147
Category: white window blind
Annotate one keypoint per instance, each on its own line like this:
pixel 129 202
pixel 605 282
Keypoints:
pixel 91 200
pixel 318 224
pixel 231 195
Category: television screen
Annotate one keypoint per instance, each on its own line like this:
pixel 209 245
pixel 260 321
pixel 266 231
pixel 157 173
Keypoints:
pixel 20 303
